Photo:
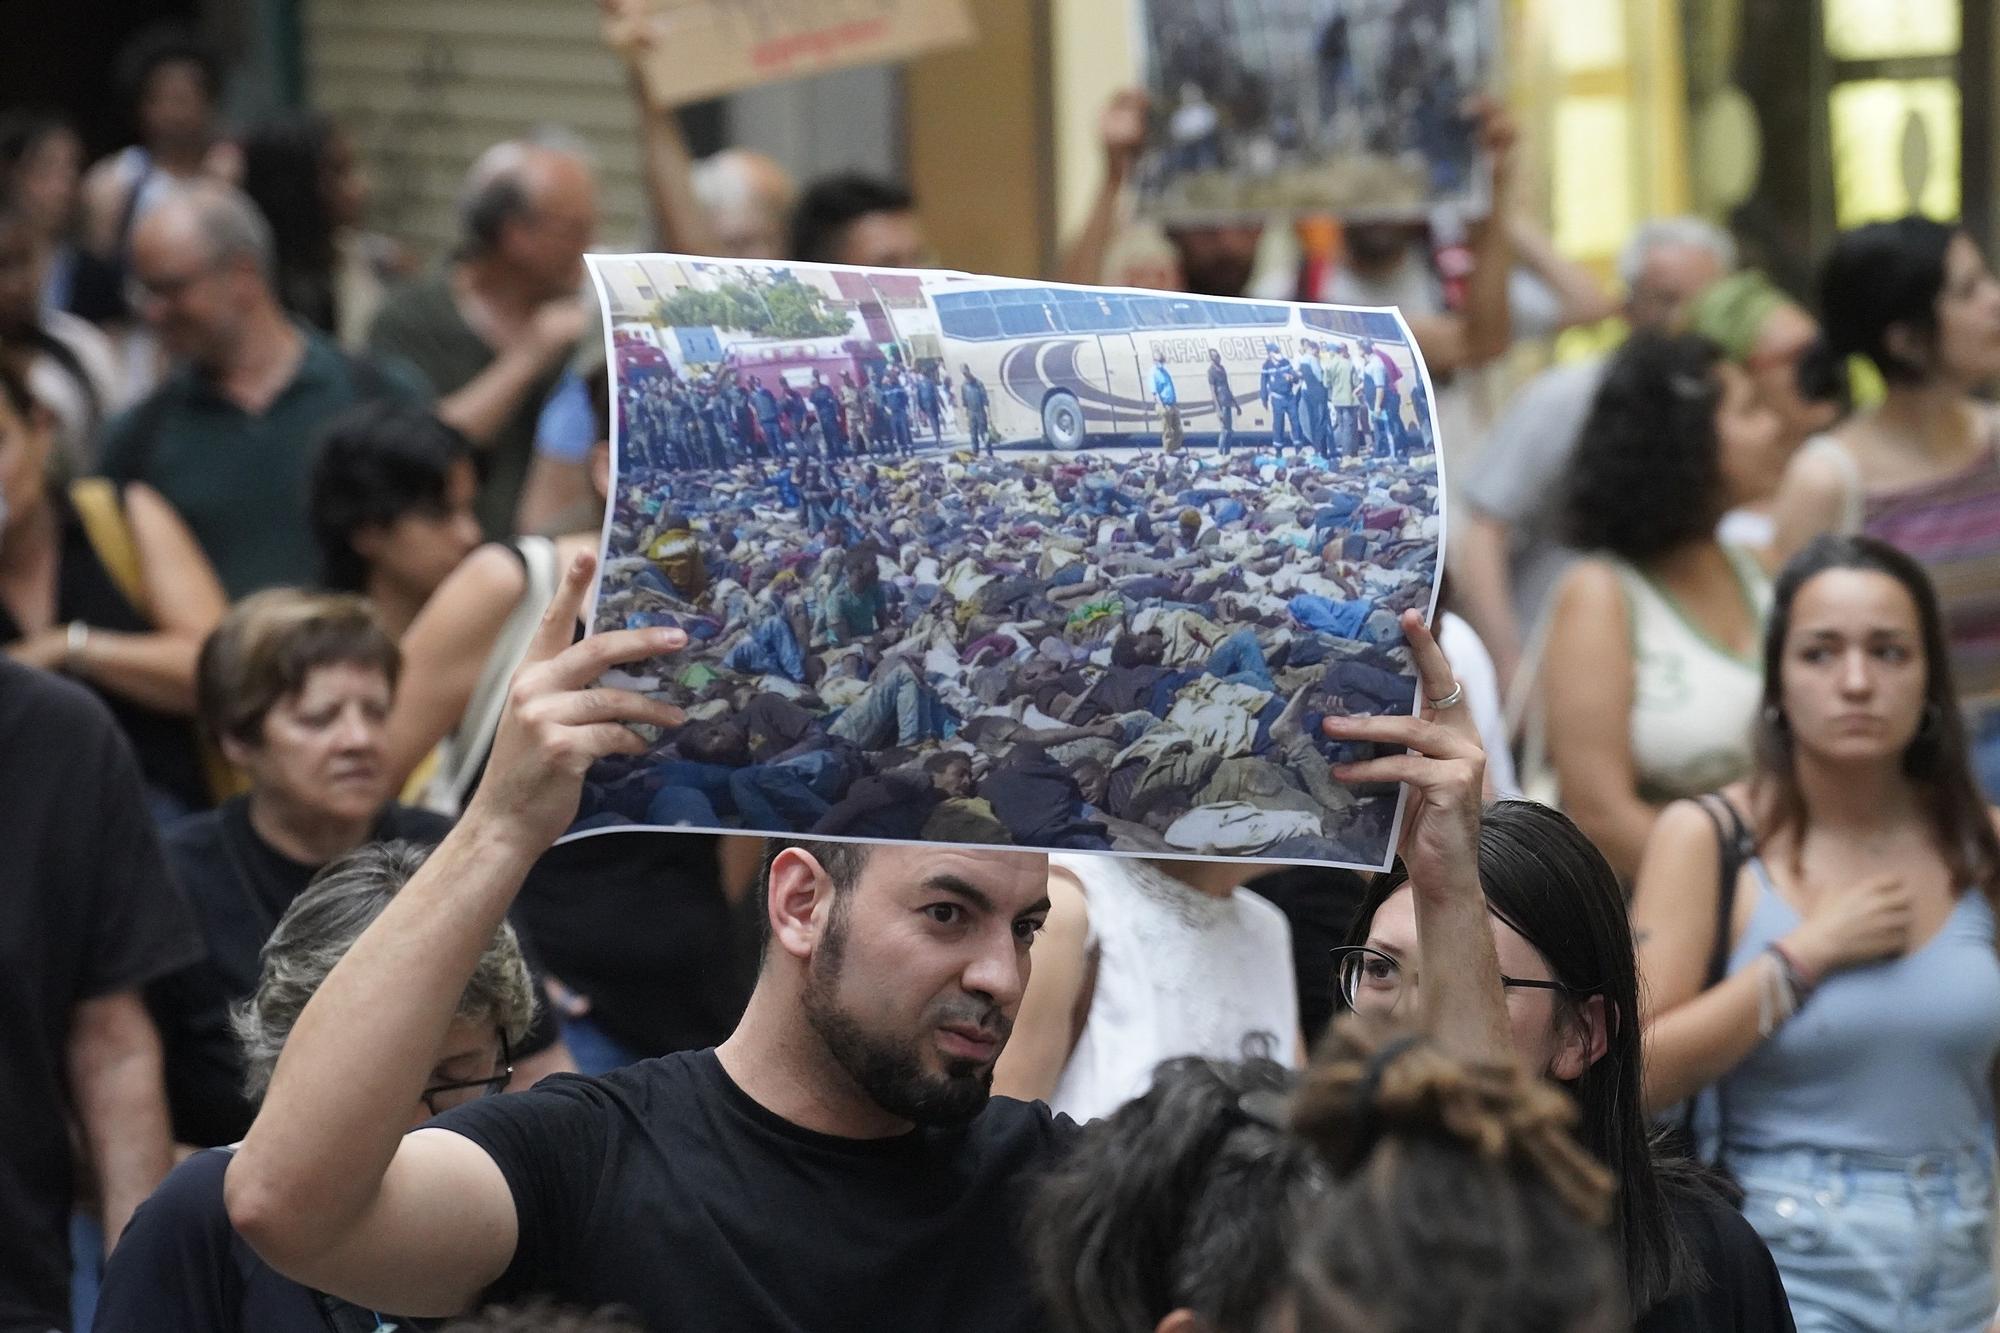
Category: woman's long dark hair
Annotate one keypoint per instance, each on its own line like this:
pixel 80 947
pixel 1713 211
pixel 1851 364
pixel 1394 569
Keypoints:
pixel 1549 882
pixel 1938 759
pixel 284 173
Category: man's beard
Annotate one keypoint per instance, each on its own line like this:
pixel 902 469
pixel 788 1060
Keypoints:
pixel 891 1071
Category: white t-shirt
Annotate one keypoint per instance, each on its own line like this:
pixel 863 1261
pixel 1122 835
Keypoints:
pixel 1179 972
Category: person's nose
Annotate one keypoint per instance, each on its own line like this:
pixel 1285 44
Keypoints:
pixel 358 730
pixel 999 971
pixel 1857 680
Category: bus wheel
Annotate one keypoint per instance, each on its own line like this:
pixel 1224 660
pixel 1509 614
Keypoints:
pixel 1062 420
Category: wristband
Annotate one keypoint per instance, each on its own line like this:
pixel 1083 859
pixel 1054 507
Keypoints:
pixel 1800 981
pixel 76 639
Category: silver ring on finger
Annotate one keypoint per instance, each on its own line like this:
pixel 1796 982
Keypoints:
pixel 1451 700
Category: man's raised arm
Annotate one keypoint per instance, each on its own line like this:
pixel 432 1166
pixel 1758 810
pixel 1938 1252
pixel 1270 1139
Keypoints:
pixel 328 1187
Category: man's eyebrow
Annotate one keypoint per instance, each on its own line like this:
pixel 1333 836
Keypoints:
pixel 959 888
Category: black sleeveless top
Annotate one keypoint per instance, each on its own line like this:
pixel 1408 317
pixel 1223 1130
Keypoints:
pixel 169 757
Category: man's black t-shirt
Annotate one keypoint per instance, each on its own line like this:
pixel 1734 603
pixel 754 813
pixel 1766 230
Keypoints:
pixel 239 885
pixel 1736 1288
pixel 665 1188
pixel 86 910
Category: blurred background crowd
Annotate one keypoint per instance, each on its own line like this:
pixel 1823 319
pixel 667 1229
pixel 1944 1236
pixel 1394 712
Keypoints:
pixel 302 405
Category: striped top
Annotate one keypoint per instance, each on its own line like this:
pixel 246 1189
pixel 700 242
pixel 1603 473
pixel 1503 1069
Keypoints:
pixel 1951 525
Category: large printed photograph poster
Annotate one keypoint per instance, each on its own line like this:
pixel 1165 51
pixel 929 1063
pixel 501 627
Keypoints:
pixel 981 561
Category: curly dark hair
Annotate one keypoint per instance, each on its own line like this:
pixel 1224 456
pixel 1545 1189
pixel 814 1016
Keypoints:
pixel 1189 1197
pixel 377 461
pixel 1647 474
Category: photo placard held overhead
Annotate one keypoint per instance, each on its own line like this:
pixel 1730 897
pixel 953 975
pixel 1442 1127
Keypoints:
pixel 983 561
pixel 704 48
pixel 1362 109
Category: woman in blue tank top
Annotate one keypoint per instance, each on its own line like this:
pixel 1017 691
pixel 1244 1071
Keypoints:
pixel 1852 1040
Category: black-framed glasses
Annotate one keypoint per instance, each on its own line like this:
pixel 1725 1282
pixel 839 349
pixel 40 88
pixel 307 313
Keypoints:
pixel 441 1097
pixel 1373 982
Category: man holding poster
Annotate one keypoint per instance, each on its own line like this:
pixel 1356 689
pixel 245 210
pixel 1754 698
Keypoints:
pixel 838 1162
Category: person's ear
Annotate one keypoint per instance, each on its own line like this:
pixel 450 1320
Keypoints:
pixel 1909 345
pixel 1183 1321
pixel 799 901
pixel 370 542
pixel 1586 1036
pixel 237 751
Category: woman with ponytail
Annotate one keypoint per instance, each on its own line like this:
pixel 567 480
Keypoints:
pixel 1921 470
pixel 1461 1198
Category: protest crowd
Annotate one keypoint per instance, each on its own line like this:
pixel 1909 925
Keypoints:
pixel 309 1022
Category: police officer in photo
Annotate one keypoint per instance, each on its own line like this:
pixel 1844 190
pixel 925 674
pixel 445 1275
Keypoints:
pixel 826 406
pixel 1277 388
pixel 896 404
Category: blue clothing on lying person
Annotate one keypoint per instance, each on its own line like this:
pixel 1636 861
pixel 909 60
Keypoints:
pixel 1328 616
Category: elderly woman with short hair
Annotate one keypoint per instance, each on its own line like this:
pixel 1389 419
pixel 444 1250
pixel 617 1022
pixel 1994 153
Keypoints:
pixel 296 689
pixel 180 1265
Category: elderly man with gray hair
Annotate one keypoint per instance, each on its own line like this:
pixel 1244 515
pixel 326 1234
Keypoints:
pixel 1507 551
pixel 227 438
pixel 180 1265
pixel 494 326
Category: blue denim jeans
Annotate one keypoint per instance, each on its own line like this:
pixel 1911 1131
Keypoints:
pixel 793 794
pixel 1239 659
pixel 1869 1244
pixel 692 794
pixel 898 710
pixel 770 649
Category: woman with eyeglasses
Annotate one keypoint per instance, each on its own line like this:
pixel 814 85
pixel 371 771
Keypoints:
pixel 1557 914
pixel 1853 1039
pixel 180 1266
pixel 296 689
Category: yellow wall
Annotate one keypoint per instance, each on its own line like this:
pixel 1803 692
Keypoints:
pixel 977 143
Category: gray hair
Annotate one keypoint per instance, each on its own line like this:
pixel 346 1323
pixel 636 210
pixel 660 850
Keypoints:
pixel 319 928
pixel 230 224
pixel 1664 233
pixel 496 189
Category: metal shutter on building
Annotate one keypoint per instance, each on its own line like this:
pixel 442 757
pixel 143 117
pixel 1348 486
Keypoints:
pixel 425 85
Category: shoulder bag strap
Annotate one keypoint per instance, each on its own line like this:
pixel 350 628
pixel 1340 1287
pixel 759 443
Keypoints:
pixel 466 749
pixel 101 509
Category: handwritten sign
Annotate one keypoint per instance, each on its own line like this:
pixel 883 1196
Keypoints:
pixel 703 48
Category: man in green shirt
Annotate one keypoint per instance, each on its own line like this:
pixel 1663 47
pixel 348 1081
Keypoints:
pixel 493 328
pixel 228 438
